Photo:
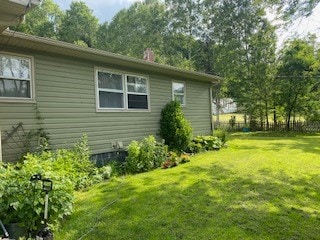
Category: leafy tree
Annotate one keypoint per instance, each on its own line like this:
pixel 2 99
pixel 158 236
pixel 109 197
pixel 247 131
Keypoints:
pixel 298 66
pixel 79 25
pixel 135 29
pixel 43 21
pixel 290 10
pixel 238 43
pixel 184 19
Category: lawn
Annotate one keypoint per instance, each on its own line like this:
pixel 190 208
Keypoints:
pixel 261 187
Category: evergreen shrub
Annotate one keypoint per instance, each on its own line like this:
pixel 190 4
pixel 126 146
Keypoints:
pixel 174 128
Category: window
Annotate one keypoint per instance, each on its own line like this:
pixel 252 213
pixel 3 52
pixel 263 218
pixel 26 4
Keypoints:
pixel 137 92
pixel 110 90
pixel 15 77
pixel 119 91
pixel 179 92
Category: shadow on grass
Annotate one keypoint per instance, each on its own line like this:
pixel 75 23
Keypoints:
pixel 205 203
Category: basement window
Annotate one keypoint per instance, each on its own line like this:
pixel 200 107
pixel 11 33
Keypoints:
pixel 15 77
pixel 121 91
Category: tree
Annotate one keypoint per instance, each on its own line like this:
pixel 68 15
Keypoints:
pixel 296 76
pixel 184 19
pixel 240 46
pixel 79 25
pixel 43 21
pixel 290 10
pixel 135 29
pixel 144 25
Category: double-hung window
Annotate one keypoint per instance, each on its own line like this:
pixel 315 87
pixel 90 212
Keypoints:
pixel 120 91
pixel 179 92
pixel 111 92
pixel 137 92
pixel 15 77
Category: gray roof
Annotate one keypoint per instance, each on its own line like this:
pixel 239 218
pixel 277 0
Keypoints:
pixel 35 43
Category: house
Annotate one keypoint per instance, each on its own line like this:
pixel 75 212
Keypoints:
pixel 12 12
pixel 67 90
pixel 226 105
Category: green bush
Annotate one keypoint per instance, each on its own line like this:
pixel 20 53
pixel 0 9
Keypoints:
pixel 119 168
pixel 145 155
pixel 104 172
pixel 174 128
pixel 22 200
pixel 204 143
pixel 222 135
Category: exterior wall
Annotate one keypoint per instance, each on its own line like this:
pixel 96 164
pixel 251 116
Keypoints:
pixel 65 100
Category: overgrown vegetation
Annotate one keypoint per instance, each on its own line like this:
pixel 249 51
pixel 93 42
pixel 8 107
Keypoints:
pixel 145 155
pixel 21 200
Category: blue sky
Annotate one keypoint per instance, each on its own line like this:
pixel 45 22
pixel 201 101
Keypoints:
pixel 104 10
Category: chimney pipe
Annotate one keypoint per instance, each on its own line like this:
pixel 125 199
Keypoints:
pixel 148 55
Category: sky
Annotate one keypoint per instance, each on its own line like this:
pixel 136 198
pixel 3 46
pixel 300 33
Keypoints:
pixel 105 10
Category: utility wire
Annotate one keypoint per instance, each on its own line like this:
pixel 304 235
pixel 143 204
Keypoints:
pixel 98 215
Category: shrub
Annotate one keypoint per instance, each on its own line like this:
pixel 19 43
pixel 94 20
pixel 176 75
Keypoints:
pixel 146 155
pixel 205 143
pixel 222 135
pixel 105 172
pixel 22 200
pixel 174 128
pixel 119 168
pixel 173 159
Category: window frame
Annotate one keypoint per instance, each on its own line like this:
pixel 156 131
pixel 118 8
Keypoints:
pixel 184 104
pixel 137 93
pixel 30 59
pixel 108 90
pixel 125 91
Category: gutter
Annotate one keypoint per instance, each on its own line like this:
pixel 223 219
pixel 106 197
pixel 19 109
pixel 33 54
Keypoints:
pixel 58 47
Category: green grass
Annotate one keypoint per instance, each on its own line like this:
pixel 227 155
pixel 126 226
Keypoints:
pixel 227 116
pixel 261 187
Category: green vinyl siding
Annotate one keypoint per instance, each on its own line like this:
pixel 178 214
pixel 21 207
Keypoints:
pixel 65 98
pixel 11 114
pixel 198 109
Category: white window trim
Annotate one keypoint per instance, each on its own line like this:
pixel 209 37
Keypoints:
pixel 184 93
pixel 125 91
pixel 32 80
pixel 98 109
pixel 136 93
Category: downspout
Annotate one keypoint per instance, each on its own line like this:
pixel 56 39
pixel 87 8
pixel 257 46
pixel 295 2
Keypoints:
pixel 211 108
pixel 0 147
pixel 213 85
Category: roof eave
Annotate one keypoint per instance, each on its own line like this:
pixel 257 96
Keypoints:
pixel 12 11
pixel 63 48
